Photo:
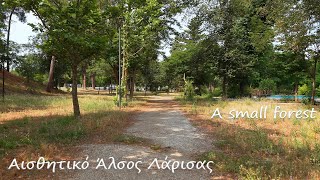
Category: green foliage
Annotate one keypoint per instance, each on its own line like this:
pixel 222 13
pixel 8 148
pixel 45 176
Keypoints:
pixel 216 92
pixel 267 85
pixel 304 90
pixel 306 100
pixel 204 90
pixel 31 67
pixel 116 98
pixel 189 90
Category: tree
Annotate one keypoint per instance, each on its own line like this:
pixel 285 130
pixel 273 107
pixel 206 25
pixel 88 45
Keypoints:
pixel 75 30
pixel 145 24
pixel 12 9
pixel 297 26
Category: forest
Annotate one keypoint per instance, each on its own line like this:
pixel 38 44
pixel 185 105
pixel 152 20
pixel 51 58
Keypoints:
pixel 230 49
pixel 95 56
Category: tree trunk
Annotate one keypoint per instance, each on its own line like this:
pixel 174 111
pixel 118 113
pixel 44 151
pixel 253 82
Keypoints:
pixel 132 84
pixel 314 81
pixel 296 92
pixel 93 81
pixel 241 88
pixel 75 102
pixel 50 81
pixel 8 38
pixel 84 77
pixel 224 88
pixel 145 90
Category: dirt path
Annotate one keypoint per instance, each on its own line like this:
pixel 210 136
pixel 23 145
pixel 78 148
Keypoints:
pixel 164 125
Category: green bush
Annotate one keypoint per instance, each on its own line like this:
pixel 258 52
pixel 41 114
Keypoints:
pixel 204 90
pixel 304 90
pixel 318 91
pixel 306 101
pixel 267 85
pixel 216 92
pixel 189 90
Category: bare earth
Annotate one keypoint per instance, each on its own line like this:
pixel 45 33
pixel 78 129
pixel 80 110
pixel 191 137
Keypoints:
pixel 164 125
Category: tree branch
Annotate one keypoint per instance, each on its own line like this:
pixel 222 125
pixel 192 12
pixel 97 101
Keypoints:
pixel 41 18
pixel 136 52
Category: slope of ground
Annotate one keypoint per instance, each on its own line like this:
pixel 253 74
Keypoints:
pixel 19 85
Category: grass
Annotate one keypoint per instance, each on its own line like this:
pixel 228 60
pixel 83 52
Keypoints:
pixel 129 139
pixel 259 149
pixel 33 126
pixel 57 124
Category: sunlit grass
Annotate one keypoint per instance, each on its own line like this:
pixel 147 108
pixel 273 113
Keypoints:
pixel 35 121
pixel 259 148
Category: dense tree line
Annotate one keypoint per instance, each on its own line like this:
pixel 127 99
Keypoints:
pixel 81 36
pixel 239 46
pixel 232 48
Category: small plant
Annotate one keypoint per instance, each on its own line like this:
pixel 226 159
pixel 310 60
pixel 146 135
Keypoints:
pixel 194 108
pixel 249 173
pixel 128 139
pixel 68 89
pixel 216 92
pixel 189 90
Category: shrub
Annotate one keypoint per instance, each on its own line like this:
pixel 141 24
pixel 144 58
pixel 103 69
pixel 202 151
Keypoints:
pixel 216 92
pixel 204 90
pixel 189 90
pixel 304 90
pixel 267 85
pixel 306 101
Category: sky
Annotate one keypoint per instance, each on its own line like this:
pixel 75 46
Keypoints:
pixel 20 32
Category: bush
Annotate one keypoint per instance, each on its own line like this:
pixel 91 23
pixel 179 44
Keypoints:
pixel 306 101
pixel 204 90
pixel 189 90
pixel 304 90
pixel 216 92
pixel 267 85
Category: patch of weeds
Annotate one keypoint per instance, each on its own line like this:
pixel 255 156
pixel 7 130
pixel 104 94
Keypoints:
pixel 225 144
pixel 63 129
pixel 316 129
pixel 194 108
pixel 315 157
pixel 156 147
pixel 128 139
pixel 250 173
pixel 296 122
pixel 19 123
pixel 9 142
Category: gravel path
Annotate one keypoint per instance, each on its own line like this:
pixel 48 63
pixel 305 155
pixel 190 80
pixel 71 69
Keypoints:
pixel 163 124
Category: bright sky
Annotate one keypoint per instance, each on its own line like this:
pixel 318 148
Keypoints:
pixel 20 32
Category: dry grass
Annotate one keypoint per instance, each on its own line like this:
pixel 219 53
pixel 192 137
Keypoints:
pixel 34 126
pixel 256 148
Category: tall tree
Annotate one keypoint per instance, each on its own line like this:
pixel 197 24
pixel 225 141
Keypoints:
pixel 145 24
pixel 75 30
pixel 13 8
pixel 297 23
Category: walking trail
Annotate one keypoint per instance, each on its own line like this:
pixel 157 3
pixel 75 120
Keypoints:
pixel 163 124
